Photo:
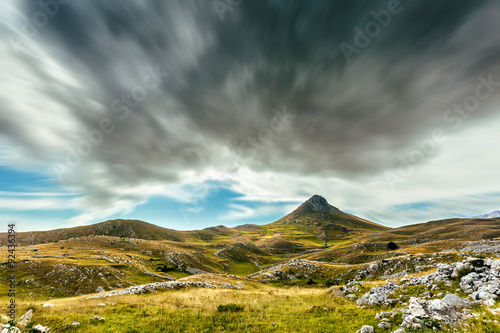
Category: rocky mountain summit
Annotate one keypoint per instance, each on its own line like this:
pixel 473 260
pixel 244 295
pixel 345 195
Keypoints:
pixel 316 216
pixel 316 204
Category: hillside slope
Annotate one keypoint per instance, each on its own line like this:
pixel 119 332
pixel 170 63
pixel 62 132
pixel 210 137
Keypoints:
pixel 441 230
pixel 117 228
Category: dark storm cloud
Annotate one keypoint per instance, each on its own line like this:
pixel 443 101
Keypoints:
pixel 228 75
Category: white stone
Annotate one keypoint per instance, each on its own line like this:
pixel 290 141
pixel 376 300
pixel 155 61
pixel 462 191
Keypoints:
pixel 25 318
pixel 41 328
pixel 416 308
pixel 366 329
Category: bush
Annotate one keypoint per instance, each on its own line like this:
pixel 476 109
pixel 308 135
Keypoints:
pixel 310 282
pixel 392 246
pixel 164 268
pixel 333 282
pixel 230 308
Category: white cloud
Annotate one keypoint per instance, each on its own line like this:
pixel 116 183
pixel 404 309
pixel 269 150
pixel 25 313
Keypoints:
pixel 242 212
pixel 9 204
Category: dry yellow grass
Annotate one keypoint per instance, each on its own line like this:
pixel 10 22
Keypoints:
pixel 195 310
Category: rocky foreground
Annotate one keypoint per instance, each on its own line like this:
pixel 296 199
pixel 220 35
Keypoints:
pixel 477 279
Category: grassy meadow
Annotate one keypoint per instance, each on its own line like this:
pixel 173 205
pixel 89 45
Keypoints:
pixel 262 309
pixel 266 309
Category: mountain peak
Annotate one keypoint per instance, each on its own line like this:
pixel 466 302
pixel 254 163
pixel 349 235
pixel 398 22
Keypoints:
pixel 491 215
pixel 317 204
pixel 317 216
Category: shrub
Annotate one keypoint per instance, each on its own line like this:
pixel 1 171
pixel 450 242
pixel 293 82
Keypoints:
pixel 165 268
pixel 333 282
pixel 230 307
pixel 392 246
pixel 310 282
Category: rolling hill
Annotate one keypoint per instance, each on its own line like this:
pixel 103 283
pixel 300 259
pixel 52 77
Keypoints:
pixel 117 228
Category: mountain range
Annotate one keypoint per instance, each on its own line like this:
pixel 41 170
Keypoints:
pixel 316 243
pixel 315 224
pixel 491 215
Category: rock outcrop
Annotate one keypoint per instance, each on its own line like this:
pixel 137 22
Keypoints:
pixel 152 287
pixel 379 295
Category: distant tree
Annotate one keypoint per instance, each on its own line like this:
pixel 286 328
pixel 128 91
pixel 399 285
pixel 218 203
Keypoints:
pixel 324 237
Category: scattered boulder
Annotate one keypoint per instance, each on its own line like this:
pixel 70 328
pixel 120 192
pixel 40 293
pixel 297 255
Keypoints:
pixel 433 310
pixel 366 329
pixel 495 312
pixel 41 329
pixel 6 328
pixel 48 305
pixel 383 314
pixel 25 319
pixel 379 295
pixel 456 302
pixel 99 289
pixel 484 283
pixel 349 289
pixel 399 330
pixel 489 303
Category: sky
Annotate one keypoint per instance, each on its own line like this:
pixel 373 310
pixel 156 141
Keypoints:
pixel 189 114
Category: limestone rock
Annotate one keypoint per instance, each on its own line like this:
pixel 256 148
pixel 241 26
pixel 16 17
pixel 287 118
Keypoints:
pixel 366 329
pixel 25 319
